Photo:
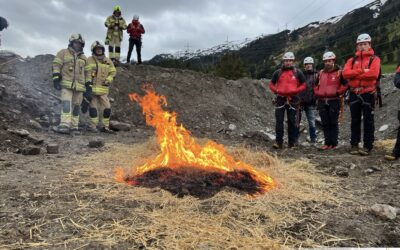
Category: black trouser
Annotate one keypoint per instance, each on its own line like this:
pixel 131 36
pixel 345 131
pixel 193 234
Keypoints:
pixel 396 150
pixel 291 108
pixel 362 106
pixel 329 112
pixel 138 43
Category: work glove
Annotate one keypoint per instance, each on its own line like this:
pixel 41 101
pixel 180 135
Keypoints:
pixel 57 81
pixel 88 86
pixel 85 104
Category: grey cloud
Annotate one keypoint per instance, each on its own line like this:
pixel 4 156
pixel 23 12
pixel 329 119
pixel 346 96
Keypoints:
pixel 39 27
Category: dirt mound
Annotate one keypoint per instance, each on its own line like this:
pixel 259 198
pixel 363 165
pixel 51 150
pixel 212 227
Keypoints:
pixel 206 105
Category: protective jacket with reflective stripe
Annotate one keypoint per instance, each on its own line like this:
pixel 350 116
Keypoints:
pixel 101 73
pixel 71 66
pixel 115 26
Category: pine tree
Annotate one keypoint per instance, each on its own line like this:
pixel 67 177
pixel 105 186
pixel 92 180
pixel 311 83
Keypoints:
pixel 230 66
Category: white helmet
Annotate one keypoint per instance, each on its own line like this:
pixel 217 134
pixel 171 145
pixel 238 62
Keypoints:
pixel 364 38
pixel 135 17
pixel 97 44
pixel 288 56
pixel 77 37
pixel 329 56
pixel 308 60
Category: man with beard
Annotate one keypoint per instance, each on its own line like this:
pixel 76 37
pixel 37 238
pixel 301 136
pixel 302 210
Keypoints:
pixel 69 77
pixel 307 98
pixel 329 90
pixel 287 83
pixel 362 71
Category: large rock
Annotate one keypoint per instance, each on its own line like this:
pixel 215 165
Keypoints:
pixel 35 140
pixel 34 124
pixel 384 211
pixel 383 128
pixel 120 126
pixel 52 148
pixel 96 143
pixel 20 132
pixel 257 135
pixel 31 151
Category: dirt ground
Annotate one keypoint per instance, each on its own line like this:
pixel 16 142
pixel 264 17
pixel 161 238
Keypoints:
pixel 70 200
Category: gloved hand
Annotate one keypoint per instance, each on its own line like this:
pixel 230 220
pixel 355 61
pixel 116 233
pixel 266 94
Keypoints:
pixel 57 81
pixel 89 90
pixel 85 104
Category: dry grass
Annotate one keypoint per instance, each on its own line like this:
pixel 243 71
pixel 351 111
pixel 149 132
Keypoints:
pixel 112 214
pixel 385 145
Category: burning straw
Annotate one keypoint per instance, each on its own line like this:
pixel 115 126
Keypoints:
pixel 285 216
pixel 185 167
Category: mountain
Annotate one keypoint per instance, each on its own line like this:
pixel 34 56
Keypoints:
pixel 261 56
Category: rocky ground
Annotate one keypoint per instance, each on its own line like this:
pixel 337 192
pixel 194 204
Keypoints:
pixel 39 184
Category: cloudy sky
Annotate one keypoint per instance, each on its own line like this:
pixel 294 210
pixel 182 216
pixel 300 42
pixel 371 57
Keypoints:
pixel 43 26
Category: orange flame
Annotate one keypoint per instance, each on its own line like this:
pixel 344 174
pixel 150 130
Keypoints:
pixel 179 149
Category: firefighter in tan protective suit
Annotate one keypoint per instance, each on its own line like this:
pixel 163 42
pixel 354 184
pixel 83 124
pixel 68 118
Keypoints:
pixel 69 77
pixel 100 73
pixel 115 25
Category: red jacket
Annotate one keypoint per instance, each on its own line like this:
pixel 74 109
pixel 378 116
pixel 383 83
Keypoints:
pixel 331 84
pixel 286 83
pixel 135 29
pixel 361 82
pixel 398 70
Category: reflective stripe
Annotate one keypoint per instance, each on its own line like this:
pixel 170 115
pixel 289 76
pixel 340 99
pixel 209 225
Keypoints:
pixel 57 60
pixel 100 90
pixel 110 79
pixel 68 58
pixel 106 122
pixel 94 121
pixel 90 66
pixel 78 86
pixel 66 84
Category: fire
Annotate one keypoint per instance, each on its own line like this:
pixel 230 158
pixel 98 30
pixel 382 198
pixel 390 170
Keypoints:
pixel 179 149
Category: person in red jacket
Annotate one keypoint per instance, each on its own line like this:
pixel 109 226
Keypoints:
pixel 287 83
pixel 396 151
pixel 135 31
pixel 362 72
pixel 328 90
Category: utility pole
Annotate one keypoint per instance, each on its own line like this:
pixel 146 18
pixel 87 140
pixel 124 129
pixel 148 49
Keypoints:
pixel 187 47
